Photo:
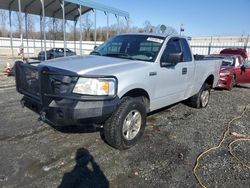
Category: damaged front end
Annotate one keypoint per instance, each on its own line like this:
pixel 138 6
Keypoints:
pixel 48 91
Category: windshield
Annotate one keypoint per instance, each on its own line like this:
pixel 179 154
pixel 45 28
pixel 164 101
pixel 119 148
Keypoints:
pixel 228 61
pixel 137 47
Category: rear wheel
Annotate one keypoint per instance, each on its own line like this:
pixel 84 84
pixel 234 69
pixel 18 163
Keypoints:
pixel 201 99
pixel 126 126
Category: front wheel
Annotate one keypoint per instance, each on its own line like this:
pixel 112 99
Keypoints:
pixel 201 99
pixel 126 126
pixel 232 83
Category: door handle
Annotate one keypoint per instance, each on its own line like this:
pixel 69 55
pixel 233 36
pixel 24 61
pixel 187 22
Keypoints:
pixel 152 73
pixel 184 70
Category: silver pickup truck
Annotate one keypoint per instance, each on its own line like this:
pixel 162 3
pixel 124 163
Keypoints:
pixel 116 85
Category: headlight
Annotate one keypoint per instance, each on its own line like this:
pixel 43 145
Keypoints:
pixel 95 86
pixel 224 74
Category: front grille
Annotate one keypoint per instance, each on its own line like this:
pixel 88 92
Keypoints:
pixel 31 81
pixel 27 79
pixel 61 84
pixel 55 83
pixel 43 84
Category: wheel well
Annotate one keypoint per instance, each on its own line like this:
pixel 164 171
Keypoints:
pixel 139 93
pixel 210 80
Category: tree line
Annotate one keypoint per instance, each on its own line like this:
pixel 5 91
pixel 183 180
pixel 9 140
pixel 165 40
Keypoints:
pixel 56 33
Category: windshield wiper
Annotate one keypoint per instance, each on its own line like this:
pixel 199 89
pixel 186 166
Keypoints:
pixel 122 55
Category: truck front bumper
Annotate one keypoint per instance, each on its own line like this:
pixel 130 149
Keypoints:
pixel 48 92
pixel 71 112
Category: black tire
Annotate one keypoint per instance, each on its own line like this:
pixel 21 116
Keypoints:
pixel 113 127
pixel 196 101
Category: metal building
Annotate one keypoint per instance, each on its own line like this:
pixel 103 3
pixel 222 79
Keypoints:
pixel 71 10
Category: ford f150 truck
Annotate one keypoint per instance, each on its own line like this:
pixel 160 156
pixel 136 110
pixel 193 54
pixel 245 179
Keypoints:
pixel 116 85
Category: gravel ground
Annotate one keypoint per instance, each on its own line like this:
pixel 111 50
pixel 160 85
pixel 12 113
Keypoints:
pixel 5 80
pixel 33 154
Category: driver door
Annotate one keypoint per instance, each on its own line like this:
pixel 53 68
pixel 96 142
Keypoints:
pixel 243 72
pixel 172 80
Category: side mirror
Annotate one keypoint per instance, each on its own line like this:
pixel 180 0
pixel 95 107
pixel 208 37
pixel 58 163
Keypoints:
pixel 95 47
pixel 172 59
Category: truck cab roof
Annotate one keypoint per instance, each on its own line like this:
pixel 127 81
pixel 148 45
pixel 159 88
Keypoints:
pixel 164 35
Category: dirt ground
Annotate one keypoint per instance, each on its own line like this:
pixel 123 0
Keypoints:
pixel 4 80
pixel 33 154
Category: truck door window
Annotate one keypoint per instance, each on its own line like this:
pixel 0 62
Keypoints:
pixel 173 46
pixel 186 51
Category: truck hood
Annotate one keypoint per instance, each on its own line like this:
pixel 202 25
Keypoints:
pixel 94 65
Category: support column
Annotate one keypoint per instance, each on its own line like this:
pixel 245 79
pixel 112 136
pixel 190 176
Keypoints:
pixel 11 35
pixel 41 33
pixel 53 30
pixel 44 32
pixel 246 42
pixel 95 28
pixel 118 24
pixel 80 20
pixel 75 22
pixel 107 25
pixel 64 32
pixel 127 19
pixel 210 45
pixel 26 32
pixel 34 46
pixel 20 28
pixel 20 21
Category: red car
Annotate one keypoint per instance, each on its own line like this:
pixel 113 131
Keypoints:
pixel 235 51
pixel 242 70
pixel 227 73
pixel 234 70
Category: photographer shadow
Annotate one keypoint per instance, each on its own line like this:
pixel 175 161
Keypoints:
pixel 76 129
pixel 86 173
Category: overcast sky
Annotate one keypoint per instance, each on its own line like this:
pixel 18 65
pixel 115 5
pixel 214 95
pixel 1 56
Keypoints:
pixel 200 17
